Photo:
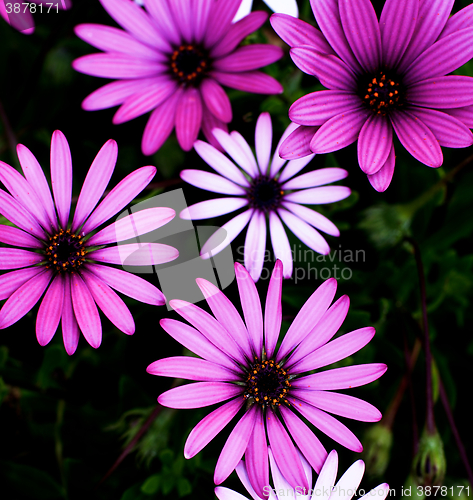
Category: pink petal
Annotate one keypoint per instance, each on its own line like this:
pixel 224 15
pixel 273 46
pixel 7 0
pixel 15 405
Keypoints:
pixel 61 176
pixel 442 92
pixel 9 282
pixel 312 449
pixel 319 195
pixel 464 114
pixel 211 182
pixel 190 368
pixel 210 328
pixel 216 100
pixel 284 453
pixel 263 141
pixel 129 284
pixel 197 343
pixel 160 125
pixel 248 58
pixel 188 118
pixel 273 310
pixel 277 162
pixel 350 481
pixel 235 446
pixel 199 394
pixel 119 197
pixel 209 123
pixel 163 20
pixel 183 18
pixel 226 313
pixel 14 212
pixel 220 19
pixel 461 20
pixel 308 317
pixel 251 305
pixel 96 181
pixel 22 300
pixel 85 311
pixel 255 82
pixel 237 148
pixel 70 328
pixel 50 311
pixel 316 178
pixel 256 456
pixel 200 15
pixel 212 208
pixel 298 143
pixel 382 178
pixel 417 138
pixel 280 243
pixel 136 254
pixel 328 474
pixel 341 378
pixel 255 244
pixel 14 236
pixel 210 426
pixel 15 258
pixel 339 132
pixel 245 480
pixel 313 218
pixel 220 163
pixel 374 143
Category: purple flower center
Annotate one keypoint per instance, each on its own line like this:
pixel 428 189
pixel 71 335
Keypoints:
pixel 264 193
pixel 267 383
pixel 382 93
pixel 189 63
pixel 65 251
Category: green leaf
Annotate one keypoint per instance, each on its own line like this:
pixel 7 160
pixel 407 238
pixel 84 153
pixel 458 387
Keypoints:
pixel 151 485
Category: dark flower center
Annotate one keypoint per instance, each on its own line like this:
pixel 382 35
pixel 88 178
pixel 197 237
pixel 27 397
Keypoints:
pixel 265 193
pixel 267 383
pixel 189 63
pixel 65 251
pixel 382 93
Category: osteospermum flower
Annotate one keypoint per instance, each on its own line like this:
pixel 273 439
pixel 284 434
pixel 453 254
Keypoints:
pixel 173 58
pixel 266 190
pixel 323 488
pixel 22 20
pixel 288 7
pixel 382 76
pixel 65 258
pixel 242 366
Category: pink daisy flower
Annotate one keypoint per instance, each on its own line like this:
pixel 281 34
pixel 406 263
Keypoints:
pixel 65 259
pixel 23 20
pixel 383 77
pixel 324 487
pixel 242 366
pixel 173 58
pixel 267 191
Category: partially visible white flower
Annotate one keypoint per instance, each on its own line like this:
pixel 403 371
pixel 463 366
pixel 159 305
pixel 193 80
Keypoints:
pixel 280 6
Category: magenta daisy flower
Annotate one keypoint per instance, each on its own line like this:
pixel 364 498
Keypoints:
pixel 65 259
pixel 267 191
pixel 22 19
pixel 324 487
pixel 173 58
pixel 382 76
pixel 242 366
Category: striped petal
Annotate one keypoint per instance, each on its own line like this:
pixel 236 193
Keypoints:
pixel 198 395
pixel 61 176
pixel 136 254
pixel 50 311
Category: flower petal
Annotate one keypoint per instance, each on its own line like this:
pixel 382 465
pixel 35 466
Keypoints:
pixel 328 474
pixel 209 123
pixel 70 328
pixel 442 92
pixel 315 178
pixel 188 118
pixel 9 282
pixel 461 20
pixel 119 197
pixel 341 378
pixel 210 426
pixel 61 176
pixel 190 368
pixel 273 310
pixel 136 254
pixel 199 394
pixel 211 182
pixel 296 32
pixel 163 20
pixel 216 100
pixel 248 58
pixel 464 114
pixel 312 217
pixel 255 244
pixel 220 20
pixel 276 161
pixel 24 298
pixel 308 317
pixel 251 305
pixel 280 243
pixel 14 236
pixel 318 107
pixel 256 456
pixel 235 446
pixel 350 481
pixel 382 178
pixel 298 143
pixel 226 313
pixel 220 163
pixel 212 208
pixel 339 132
pixel 417 138
pixel 374 143
pixel 50 311
pixel 200 12
pixel 284 453
pixel 263 141
pixel 311 448
pixel 255 82
pixel 12 210
pixel 96 181
pixel 319 195
pixel 15 258
pixel 85 311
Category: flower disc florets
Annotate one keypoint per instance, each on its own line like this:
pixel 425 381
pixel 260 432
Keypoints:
pixel 267 383
pixel 65 251
pixel 265 193
pixel 189 63
pixel 382 92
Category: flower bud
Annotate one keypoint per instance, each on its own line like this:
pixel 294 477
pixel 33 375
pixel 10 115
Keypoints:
pixel 377 443
pixel 429 464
